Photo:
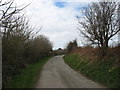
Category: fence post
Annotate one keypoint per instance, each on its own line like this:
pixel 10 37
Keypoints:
pixel 0 60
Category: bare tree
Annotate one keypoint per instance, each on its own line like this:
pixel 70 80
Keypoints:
pixel 7 13
pixel 100 23
pixel 72 45
pixel 20 45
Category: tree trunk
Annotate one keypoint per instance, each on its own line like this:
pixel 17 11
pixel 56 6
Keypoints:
pixel 104 47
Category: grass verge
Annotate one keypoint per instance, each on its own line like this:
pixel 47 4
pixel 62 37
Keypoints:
pixel 28 76
pixel 102 72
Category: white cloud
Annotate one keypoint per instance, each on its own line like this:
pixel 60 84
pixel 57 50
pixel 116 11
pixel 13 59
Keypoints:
pixel 59 24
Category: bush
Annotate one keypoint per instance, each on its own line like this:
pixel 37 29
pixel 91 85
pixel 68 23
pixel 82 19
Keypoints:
pixel 20 44
pixel 39 47
pixel 71 46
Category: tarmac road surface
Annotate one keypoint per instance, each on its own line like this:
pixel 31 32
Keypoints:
pixel 57 74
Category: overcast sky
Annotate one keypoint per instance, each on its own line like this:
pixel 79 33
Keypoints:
pixel 57 18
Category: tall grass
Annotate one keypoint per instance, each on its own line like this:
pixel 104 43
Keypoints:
pixel 105 70
pixel 28 76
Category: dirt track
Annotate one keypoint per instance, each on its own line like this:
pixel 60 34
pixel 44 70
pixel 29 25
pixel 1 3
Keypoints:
pixel 57 74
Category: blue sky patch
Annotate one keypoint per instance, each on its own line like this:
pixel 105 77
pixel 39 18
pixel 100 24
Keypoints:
pixel 80 8
pixel 60 4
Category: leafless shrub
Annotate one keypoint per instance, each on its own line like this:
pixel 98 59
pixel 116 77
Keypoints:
pixel 71 46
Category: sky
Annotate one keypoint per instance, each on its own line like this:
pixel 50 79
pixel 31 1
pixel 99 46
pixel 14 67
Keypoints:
pixel 57 18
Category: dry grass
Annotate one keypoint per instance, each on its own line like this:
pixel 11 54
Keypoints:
pixel 88 61
pixel 94 54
